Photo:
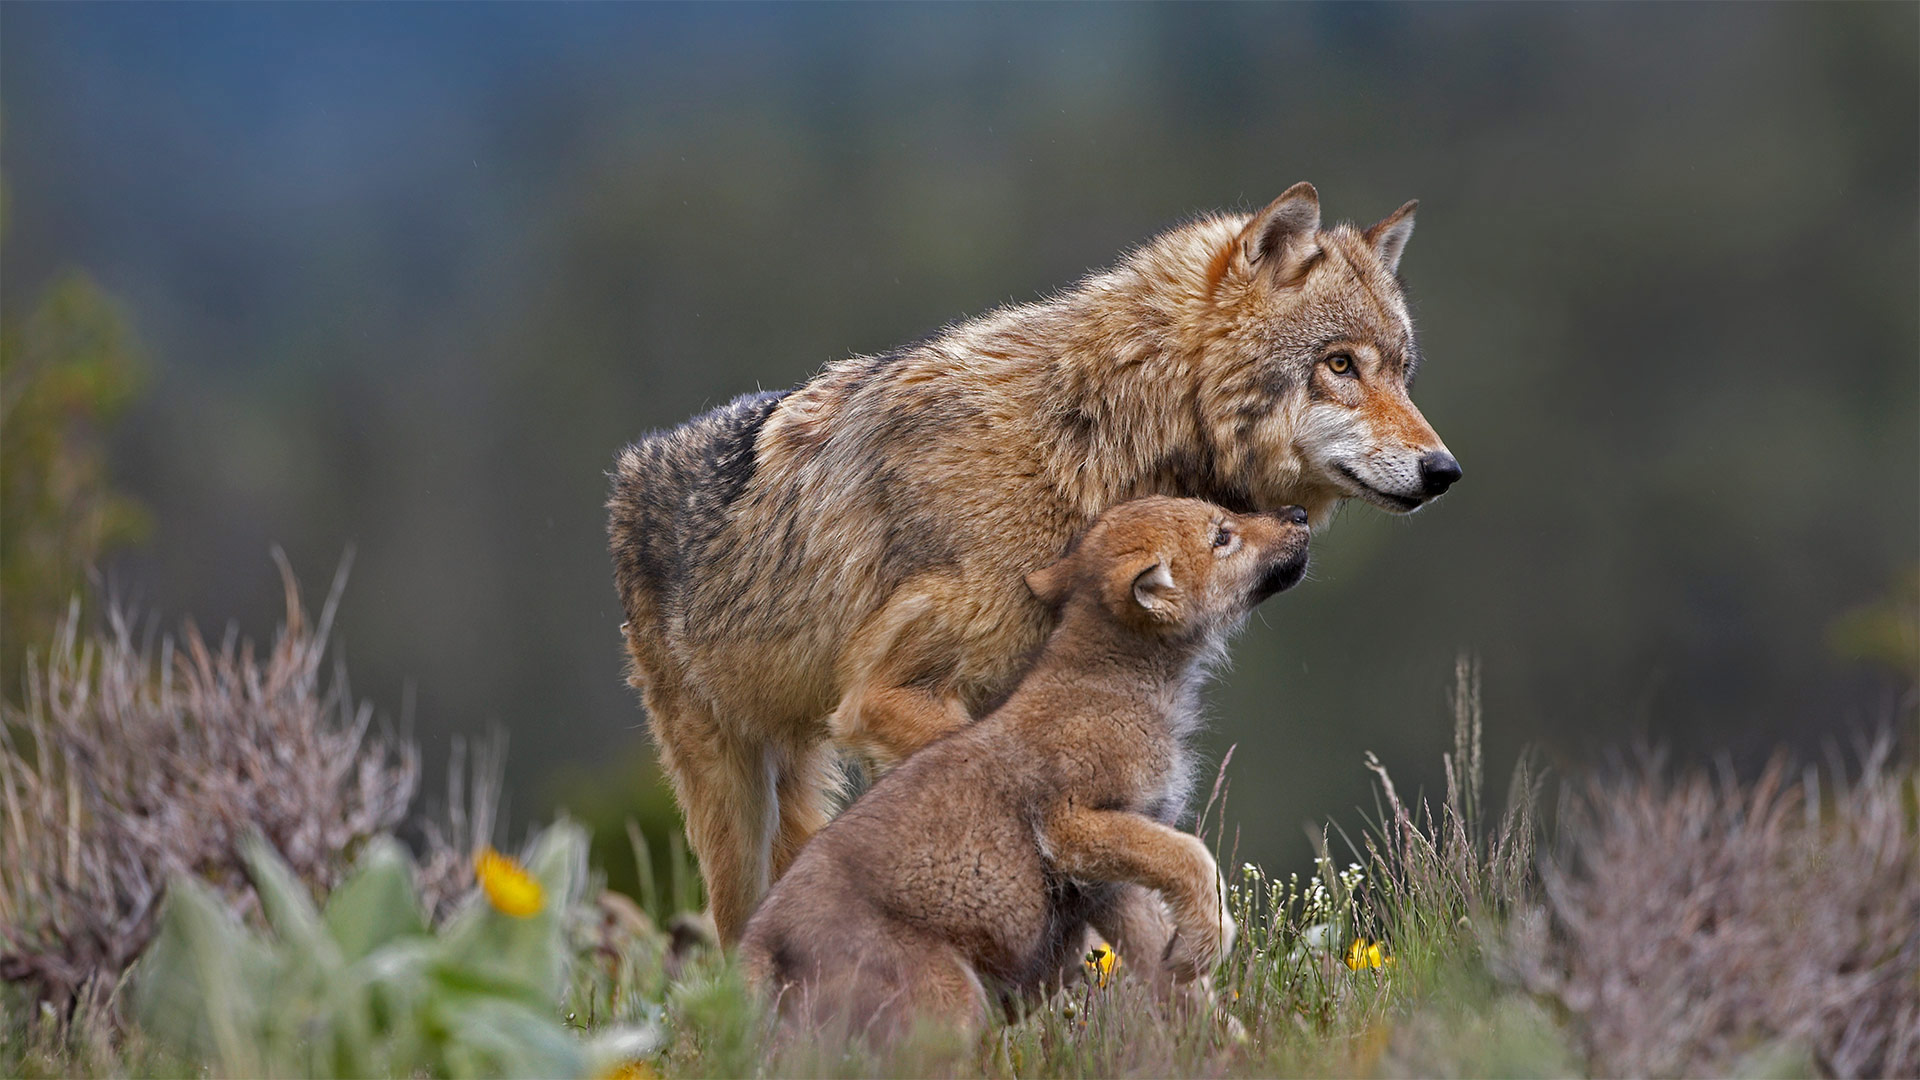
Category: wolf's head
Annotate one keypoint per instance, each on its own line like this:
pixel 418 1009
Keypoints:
pixel 1181 567
pixel 1306 352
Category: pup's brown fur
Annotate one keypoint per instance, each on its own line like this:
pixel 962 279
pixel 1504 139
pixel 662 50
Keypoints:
pixel 986 855
pixel 845 560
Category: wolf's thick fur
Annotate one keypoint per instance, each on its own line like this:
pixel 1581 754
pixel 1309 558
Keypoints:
pixel 987 854
pixel 844 561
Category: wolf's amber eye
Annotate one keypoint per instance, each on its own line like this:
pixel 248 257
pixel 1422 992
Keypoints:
pixel 1340 363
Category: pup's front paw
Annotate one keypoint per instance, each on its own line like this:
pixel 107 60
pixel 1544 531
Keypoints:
pixel 1202 936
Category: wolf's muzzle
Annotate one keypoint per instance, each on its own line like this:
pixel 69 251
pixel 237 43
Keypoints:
pixel 1438 471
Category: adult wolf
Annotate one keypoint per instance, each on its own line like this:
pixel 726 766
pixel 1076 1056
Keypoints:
pixel 844 563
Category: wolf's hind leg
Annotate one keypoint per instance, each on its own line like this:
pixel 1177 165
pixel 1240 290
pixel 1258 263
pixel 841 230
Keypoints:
pixel 725 786
pixel 804 789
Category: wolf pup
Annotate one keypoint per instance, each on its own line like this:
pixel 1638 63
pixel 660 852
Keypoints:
pixel 840 566
pixel 987 854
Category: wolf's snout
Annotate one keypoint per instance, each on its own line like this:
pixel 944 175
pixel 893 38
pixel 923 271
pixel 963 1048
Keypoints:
pixel 1438 471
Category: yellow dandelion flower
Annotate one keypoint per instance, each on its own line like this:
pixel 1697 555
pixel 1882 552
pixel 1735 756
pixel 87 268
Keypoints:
pixel 510 889
pixel 1101 963
pixel 1366 954
pixel 631 1070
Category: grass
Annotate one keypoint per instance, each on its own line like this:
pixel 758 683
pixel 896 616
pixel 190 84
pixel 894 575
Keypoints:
pixel 1675 924
pixel 1424 889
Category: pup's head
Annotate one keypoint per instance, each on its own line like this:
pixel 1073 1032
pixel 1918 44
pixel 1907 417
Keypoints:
pixel 1307 353
pixel 1178 566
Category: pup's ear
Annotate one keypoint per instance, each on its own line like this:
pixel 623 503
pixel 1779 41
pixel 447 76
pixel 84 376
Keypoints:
pixel 1049 583
pixel 1280 238
pixel 1388 236
pixel 1154 590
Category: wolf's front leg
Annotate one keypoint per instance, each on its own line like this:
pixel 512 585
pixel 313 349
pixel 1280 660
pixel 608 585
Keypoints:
pixel 1113 845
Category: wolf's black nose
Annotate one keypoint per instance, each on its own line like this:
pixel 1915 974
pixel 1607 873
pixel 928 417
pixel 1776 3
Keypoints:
pixel 1438 471
pixel 1294 515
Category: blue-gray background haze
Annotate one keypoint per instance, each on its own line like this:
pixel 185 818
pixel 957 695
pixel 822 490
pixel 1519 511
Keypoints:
pixel 408 275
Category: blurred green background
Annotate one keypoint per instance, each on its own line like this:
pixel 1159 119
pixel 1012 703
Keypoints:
pixel 406 276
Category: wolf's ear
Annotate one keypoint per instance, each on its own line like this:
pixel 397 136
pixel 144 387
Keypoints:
pixel 1388 236
pixel 1049 584
pixel 1281 236
pixel 1154 590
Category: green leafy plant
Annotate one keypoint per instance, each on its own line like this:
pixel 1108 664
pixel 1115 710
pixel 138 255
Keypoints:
pixel 363 986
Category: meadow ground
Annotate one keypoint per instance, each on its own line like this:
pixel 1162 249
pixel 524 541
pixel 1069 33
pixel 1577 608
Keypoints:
pixel 197 878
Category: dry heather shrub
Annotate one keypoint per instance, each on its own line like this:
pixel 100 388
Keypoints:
pixel 1692 925
pixel 125 768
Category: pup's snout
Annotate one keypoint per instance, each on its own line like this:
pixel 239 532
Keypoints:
pixel 1438 471
pixel 1286 515
pixel 1281 574
pixel 1287 557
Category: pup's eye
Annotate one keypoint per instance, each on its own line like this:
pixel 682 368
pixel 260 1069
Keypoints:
pixel 1340 363
pixel 1222 536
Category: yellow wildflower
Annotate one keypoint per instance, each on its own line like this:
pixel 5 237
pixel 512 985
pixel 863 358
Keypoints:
pixel 510 889
pixel 1366 954
pixel 1101 963
pixel 631 1070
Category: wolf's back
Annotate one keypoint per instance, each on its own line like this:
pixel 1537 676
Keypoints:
pixel 671 494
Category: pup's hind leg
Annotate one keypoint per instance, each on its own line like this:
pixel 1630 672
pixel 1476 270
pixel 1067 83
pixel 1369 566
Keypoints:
pixel 947 990
pixel 725 785
pixel 897 982
pixel 836 966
